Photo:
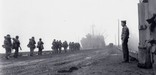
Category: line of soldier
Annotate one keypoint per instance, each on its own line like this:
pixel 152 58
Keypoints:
pixel 74 46
pixel 8 45
pixel 56 46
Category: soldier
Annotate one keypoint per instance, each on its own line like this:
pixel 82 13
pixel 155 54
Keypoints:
pixel 78 44
pixel 16 46
pixel 7 45
pixel 124 38
pixel 54 46
pixel 70 46
pixel 31 45
pixel 65 46
pixel 59 46
pixel 40 46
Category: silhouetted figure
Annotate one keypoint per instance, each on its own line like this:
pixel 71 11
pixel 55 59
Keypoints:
pixel 65 46
pixel 74 46
pixel 54 46
pixel 40 46
pixel 32 46
pixel 7 45
pixel 60 46
pixel 16 46
pixel 78 46
pixel 124 38
pixel 70 46
pixel 57 46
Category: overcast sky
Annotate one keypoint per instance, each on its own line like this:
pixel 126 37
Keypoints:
pixel 65 19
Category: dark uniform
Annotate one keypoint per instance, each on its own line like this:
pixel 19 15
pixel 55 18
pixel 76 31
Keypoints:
pixel 60 46
pixel 78 46
pixel 8 46
pixel 65 46
pixel 32 46
pixel 124 38
pixel 57 46
pixel 16 45
pixel 54 46
pixel 40 46
pixel 70 46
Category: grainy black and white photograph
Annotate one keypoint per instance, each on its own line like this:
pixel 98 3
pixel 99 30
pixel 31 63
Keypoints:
pixel 77 37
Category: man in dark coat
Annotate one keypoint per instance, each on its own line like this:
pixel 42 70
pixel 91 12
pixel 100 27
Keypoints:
pixel 60 46
pixel 54 46
pixel 65 46
pixel 8 46
pixel 124 38
pixel 16 46
pixel 32 46
pixel 40 46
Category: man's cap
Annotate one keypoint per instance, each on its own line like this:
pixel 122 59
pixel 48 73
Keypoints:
pixel 123 21
pixel 8 34
pixel 40 39
pixel 17 36
pixel 33 37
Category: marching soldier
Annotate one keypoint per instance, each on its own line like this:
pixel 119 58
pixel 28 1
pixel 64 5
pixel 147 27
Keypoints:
pixel 54 46
pixel 16 46
pixel 75 46
pixel 70 46
pixel 7 45
pixel 40 46
pixel 124 38
pixel 65 46
pixel 31 45
pixel 59 46
pixel 78 46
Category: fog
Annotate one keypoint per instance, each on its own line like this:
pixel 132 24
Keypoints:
pixel 67 20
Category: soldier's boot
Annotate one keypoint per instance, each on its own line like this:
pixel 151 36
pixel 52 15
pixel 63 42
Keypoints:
pixel 40 53
pixel 15 55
